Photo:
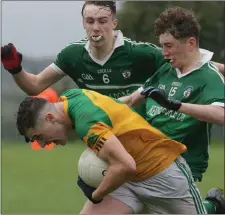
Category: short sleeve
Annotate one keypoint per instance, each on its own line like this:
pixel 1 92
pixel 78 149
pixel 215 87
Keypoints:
pixel 213 94
pixel 213 90
pixel 97 135
pixel 66 59
pixel 60 65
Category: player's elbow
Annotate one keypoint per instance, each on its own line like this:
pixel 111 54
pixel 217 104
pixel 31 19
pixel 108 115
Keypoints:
pixel 131 171
pixel 36 89
pixel 29 83
pixel 129 168
pixel 33 93
pixel 38 86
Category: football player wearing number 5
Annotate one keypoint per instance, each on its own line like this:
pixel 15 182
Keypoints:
pixel 106 61
pixel 186 95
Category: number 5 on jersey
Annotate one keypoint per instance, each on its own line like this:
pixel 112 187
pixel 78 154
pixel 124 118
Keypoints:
pixel 172 91
pixel 105 78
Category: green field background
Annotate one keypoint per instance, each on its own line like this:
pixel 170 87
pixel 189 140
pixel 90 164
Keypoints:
pixel 44 182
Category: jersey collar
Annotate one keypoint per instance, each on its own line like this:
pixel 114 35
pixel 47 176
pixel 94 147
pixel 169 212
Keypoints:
pixel 118 42
pixel 206 56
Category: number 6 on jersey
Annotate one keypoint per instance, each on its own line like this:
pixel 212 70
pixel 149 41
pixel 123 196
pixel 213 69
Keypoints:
pixel 105 78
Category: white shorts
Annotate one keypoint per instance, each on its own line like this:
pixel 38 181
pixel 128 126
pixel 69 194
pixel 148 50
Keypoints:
pixel 171 191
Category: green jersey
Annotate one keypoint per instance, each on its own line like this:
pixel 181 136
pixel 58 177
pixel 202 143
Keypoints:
pixel 121 72
pixel 202 86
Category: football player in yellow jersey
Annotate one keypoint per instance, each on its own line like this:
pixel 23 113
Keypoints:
pixel 145 167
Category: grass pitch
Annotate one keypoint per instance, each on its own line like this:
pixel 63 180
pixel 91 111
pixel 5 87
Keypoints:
pixel 44 182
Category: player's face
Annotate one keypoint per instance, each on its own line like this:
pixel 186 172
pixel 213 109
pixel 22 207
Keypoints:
pixel 47 131
pixel 176 51
pixel 99 23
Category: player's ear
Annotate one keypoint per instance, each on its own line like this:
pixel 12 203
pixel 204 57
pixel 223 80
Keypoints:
pixel 192 43
pixel 50 118
pixel 83 24
pixel 115 23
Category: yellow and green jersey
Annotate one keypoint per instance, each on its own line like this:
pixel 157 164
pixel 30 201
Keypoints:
pixel 97 117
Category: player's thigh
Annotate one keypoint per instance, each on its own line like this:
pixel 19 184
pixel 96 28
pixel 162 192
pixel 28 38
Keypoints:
pixel 172 206
pixel 126 194
pixel 183 197
pixel 109 205
pixel 173 185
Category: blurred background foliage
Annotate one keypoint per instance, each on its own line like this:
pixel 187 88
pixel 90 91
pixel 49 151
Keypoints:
pixel 136 21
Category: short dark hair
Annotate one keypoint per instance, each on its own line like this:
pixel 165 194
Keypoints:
pixel 28 113
pixel 110 4
pixel 179 22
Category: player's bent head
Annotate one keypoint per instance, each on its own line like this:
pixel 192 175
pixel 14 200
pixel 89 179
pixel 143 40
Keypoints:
pixel 108 4
pixel 181 23
pixel 28 113
pixel 38 119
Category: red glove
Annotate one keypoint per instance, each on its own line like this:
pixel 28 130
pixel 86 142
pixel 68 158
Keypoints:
pixel 11 59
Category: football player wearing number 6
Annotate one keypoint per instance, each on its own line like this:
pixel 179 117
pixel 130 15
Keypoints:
pixel 186 95
pixel 145 167
pixel 106 61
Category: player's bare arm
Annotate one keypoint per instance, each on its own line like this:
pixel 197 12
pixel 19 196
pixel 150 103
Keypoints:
pixel 122 167
pixel 35 84
pixel 29 83
pixel 207 113
pixel 133 99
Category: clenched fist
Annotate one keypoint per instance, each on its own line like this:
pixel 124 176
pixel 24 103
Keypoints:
pixel 11 59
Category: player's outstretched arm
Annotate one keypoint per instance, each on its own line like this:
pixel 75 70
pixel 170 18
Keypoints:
pixel 122 167
pixel 207 113
pixel 220 67
pixel 133 99
pixel 35 84
pixel 29 83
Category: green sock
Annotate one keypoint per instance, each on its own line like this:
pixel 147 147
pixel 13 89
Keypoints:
pixel 209 206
